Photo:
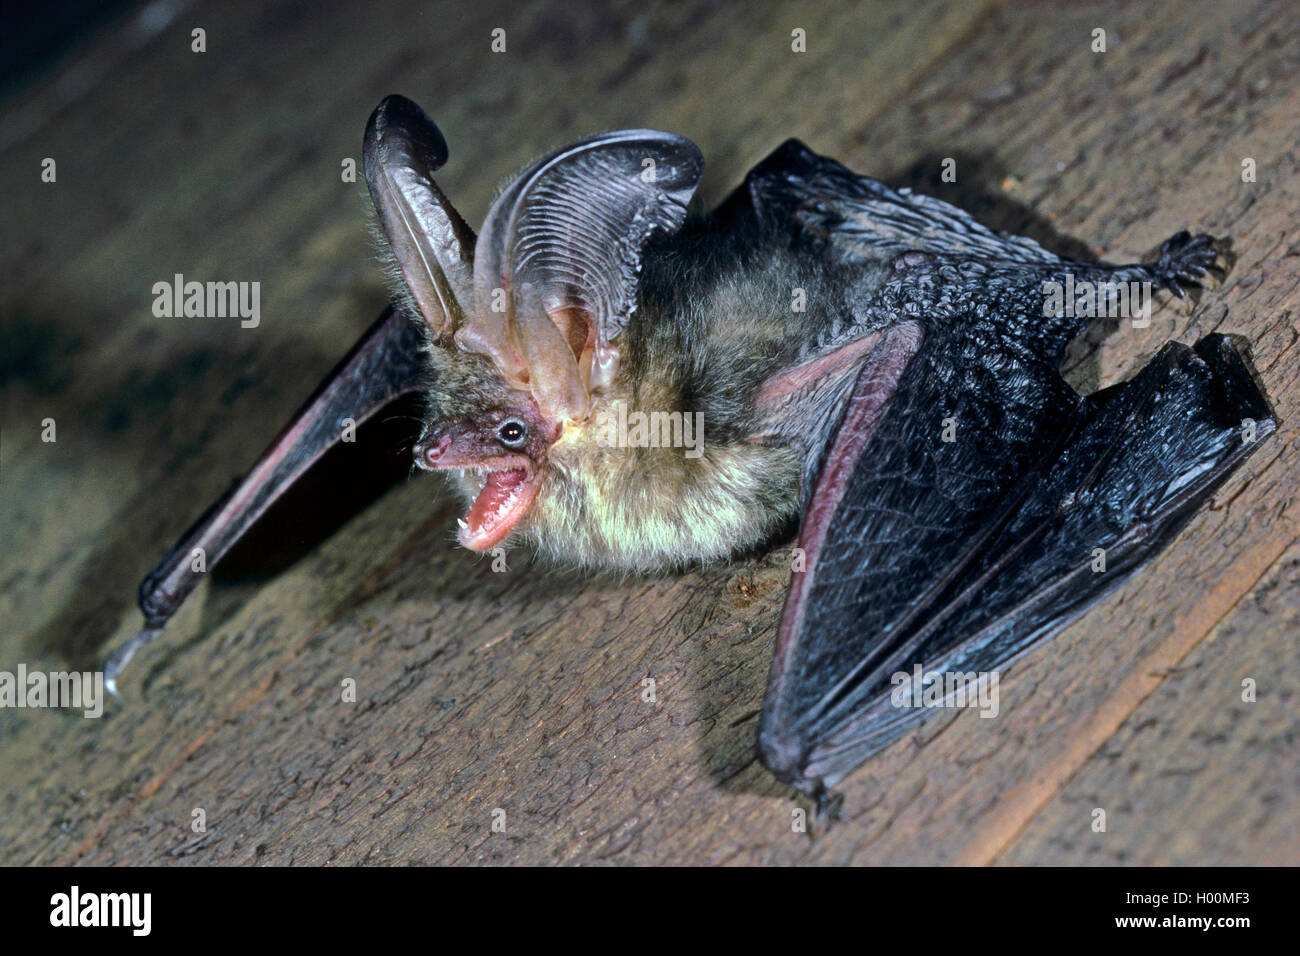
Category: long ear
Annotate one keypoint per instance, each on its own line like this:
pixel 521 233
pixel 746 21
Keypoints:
pixel 556 266
pixel 433 246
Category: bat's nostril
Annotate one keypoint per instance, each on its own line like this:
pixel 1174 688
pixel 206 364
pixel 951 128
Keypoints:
pixel 428 452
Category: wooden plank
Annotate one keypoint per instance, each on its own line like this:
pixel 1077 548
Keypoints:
pixel 1195 751
pixel 522 690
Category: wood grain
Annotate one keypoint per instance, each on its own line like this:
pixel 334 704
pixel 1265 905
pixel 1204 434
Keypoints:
pixel 523 690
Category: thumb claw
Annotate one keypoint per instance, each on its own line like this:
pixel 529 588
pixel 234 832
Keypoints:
pixel 122 654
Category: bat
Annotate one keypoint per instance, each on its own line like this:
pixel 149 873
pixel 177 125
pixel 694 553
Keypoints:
pixel 618 384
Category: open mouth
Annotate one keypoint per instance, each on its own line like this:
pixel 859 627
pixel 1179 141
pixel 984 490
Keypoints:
pixel 506 496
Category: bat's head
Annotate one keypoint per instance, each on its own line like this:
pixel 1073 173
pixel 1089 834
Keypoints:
pixel 523 319
pixel 494 437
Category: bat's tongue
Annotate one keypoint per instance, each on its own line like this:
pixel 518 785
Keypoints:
pixel 504 499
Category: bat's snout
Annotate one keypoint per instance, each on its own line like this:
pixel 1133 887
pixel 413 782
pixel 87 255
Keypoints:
pixel 428 451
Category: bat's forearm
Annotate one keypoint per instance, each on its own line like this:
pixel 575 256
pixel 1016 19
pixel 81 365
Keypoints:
pixel 384 364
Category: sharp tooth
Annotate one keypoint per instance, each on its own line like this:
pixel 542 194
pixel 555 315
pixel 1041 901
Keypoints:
pixel 462 522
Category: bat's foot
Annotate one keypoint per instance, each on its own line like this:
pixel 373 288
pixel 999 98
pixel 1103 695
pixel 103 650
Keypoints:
pixel 1187 258
pixel 829 805
pixel 122 654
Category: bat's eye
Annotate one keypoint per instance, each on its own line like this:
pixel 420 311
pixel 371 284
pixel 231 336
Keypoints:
pixel 512 432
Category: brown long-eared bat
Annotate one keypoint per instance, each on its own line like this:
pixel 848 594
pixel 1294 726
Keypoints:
pixel 619 385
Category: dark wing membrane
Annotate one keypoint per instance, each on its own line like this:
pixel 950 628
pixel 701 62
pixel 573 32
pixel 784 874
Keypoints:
pixel 384 364
pixel 865 220
pixel 908 503
pixel 944 574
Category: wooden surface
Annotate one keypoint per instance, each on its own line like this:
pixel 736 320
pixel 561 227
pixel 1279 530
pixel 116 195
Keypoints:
pixel 522 690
